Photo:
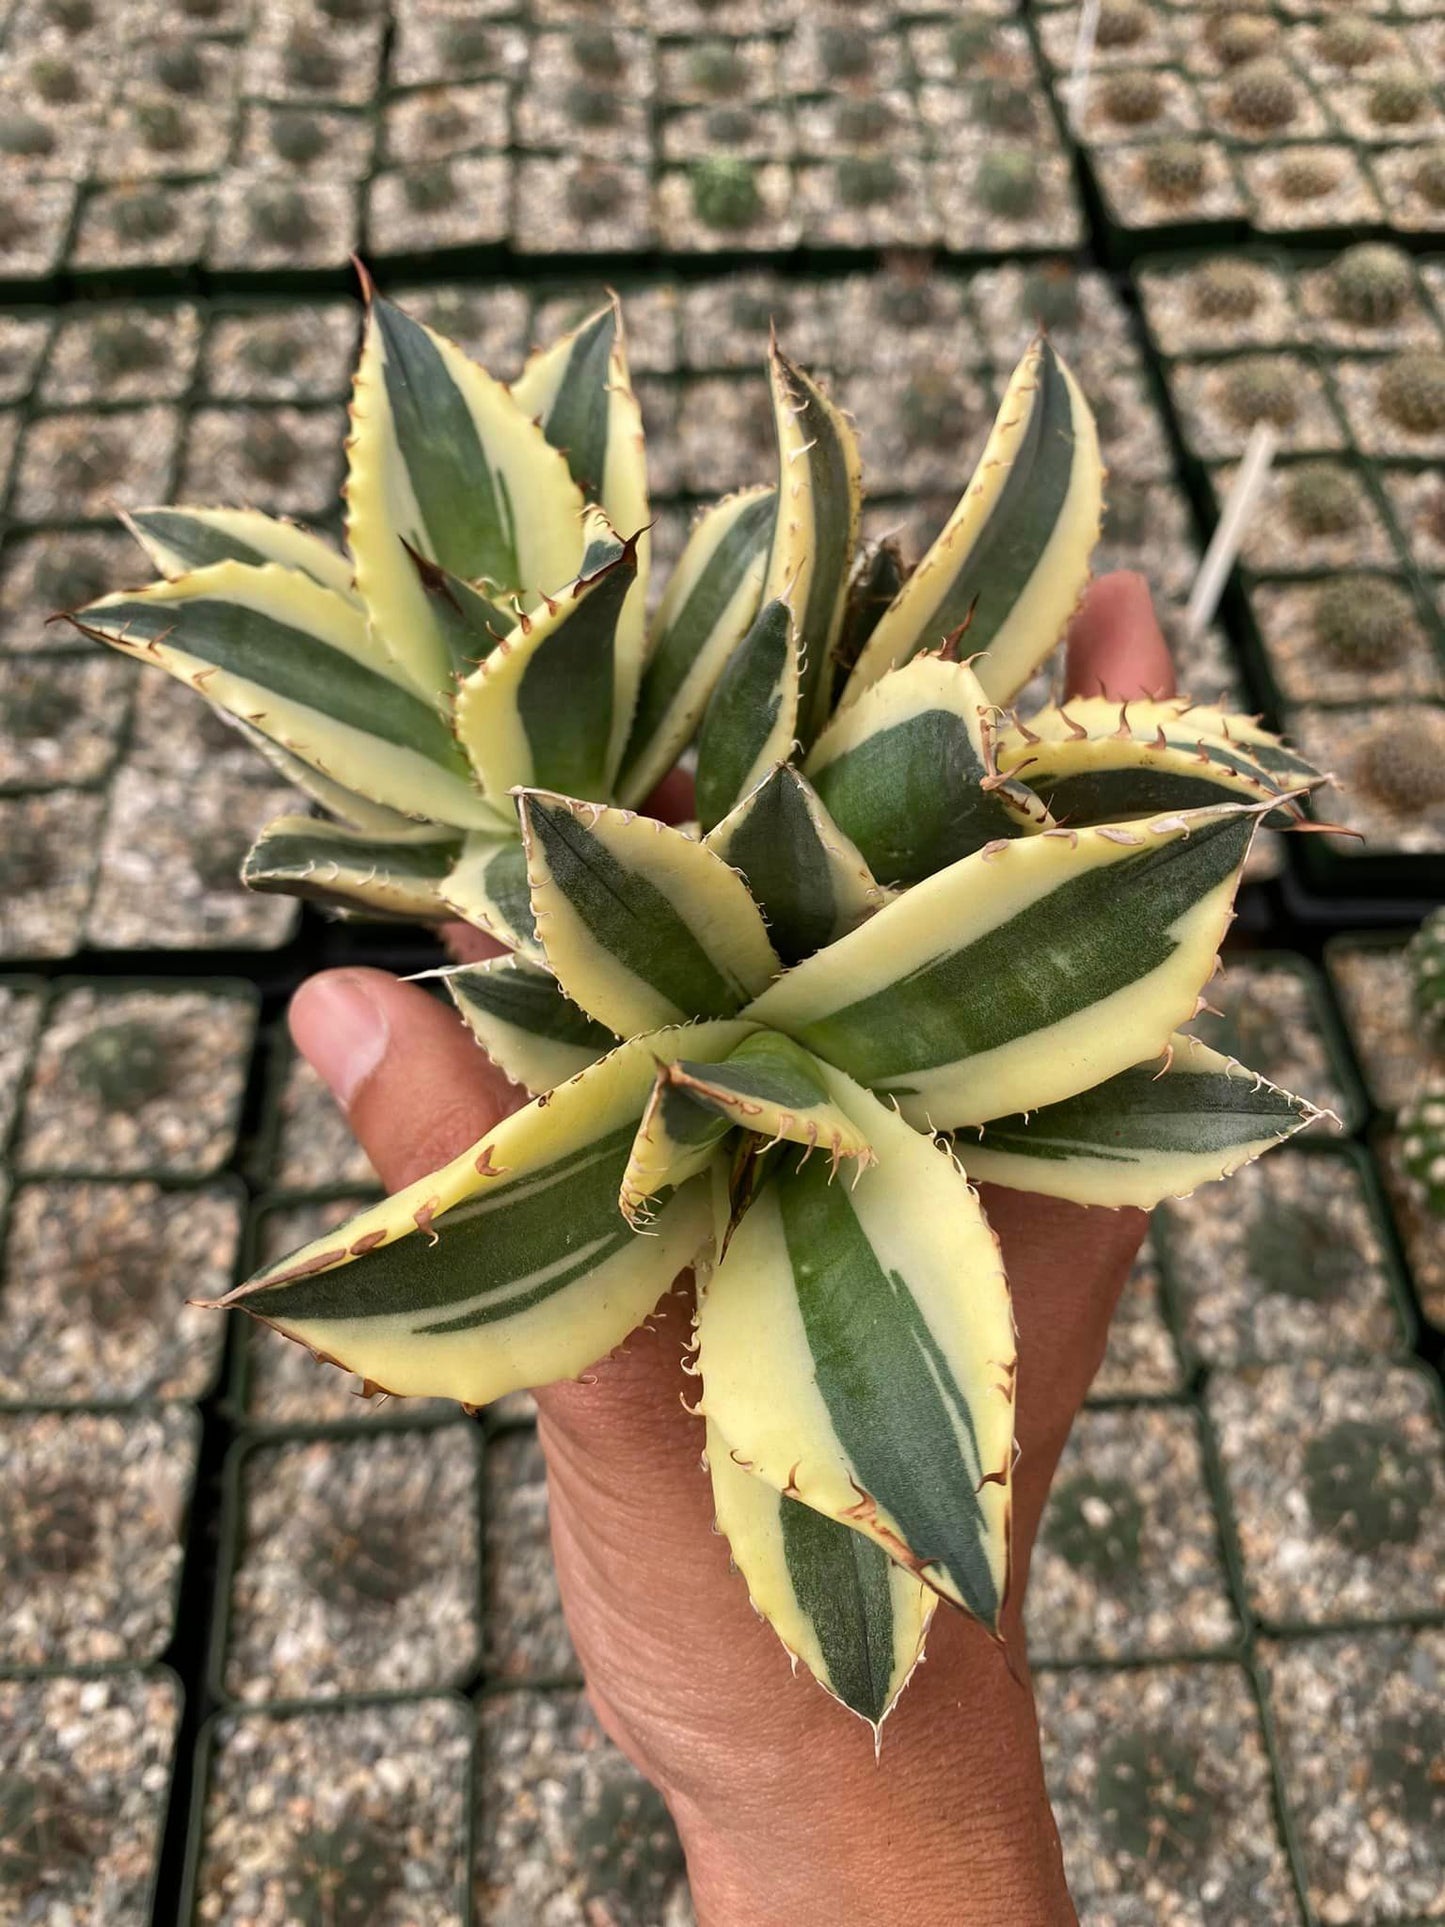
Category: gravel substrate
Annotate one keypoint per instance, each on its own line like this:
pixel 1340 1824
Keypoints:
pixel 137 1082
pixel 122 354
pixel 1128 1563
pixel 568 1833
pixel 1141 1360
pixel 92 1522
pixel 1344 740
pixel 87 1765
pixel 316 1149
pixel 1293 1266
pixel 61 719
pixel 275 353
pixel 525 1634
pixel 1418 1227
pixel 1361 1734
pixel 357 1566
pixel 1161 1788
pixel 80 467
pixel 1337 1478
pixel 19 1027
pixel 1270 1019
pixel 48 848
pixel 1275 544
pixel 287 461
pixel 57 569
pixel 1375 987
pixel 94 1281
pixel 355 1817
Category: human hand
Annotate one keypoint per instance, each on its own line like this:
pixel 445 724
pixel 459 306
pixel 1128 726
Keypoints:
pixel 782 1809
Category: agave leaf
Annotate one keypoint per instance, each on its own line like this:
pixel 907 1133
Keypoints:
pixel 856 1346
pixel 178 540
pixel 1156 1131
pixel 356 812
pixel 539 711
pixel 1013 558
pixel 836 1600
pixel 512 1265
pixel 441 459
pixel 809 881
pixel 469 623
pixel 489 888
pixel 877 578
pixel 752 717
pixel 1026 973
pixel 642 925
pixel 902 772
pixel 710 600
pixel 519 1016
pixel 300 665
pixel 820 495
pixel 768 1086
pixel 1096 761
pixel 580 393
pixel 354 870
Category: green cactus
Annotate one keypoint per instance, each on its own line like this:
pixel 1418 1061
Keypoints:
pixel 1348 40
pixel 754 310
pixel 1004 107
pixel 970 38
pixel 598 52
pixel 130 1061
pixel 1308 176
pixel 717 67
pixel 1132 99
pixel 1294 1249
pixel 1095 1525
pixel 1239 38
pixel 1400 764
pixel 180 68
pixel 27 862
pixel 627 1849
pixel 867 180
pixel 1261 389
pixel 1407 1767
pixel 1426 956
pixel 725 192
pixel 1121 23
pixel 1366 1486
pixel 26 136
pixel 1009 183
pixel 1175 171
pixel 56 79
pixel 121 345
pixel 1263 96
pixel 1399 99
pixel 846 53
pixel 47 1839
pixel 282 217
pixel 429 189
pixel 162 126
pixel 1429 177
pixel 1226 289
pixel 346 1875
pixel 1412 391
pixel 299 138
pixel 859 123
pixel 1152 1808
pixel 269 449
pixel 931 411
pixel 309 61
pixel 142 214
pixel 464 42
pixel 1371 284
pixel 48 1528
pixel 594 192
pixel 35 706
pixel 1363 621
pixel 1422 1145
pixel 1320 499
pixel 71 16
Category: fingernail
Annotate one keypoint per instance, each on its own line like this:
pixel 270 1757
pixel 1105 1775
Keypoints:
pixel 340 1026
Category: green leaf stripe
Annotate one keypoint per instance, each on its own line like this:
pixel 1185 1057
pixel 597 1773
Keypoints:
pixel 743 712
pixel 841 1581
pixel 1112 795
pixel 834 530
pixel 530 1001
pixel 808 885
pixel 469 625
pixel 577 421
pixel 373 875
pixel 565 695
pixel 194 542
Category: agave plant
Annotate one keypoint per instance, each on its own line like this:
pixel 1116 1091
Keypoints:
pixel 902 912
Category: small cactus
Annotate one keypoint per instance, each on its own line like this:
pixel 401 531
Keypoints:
pixel 1263 96
pixel 118 1281
pixel 860 123
pixel 1132 99
pixel 598 52
pixel 1321 500
pixel 1152 1807
pixel 429 189
pixel 36 706
pixel 1371 284
pixel 27 862
pixel 344 1876
pixel 142 214
pixel 1412 391
pixel 867 180
pixel 1005 108
pixel 932 413
pixel 1426 956
pixel 465 43
pixel 846 52
pixel 1095 1525
pixel 1121 23
pixel 282 217
pixel 1401 766
pixel 180 69
pixel 71 16
pixel 725 192
pixel 26 136
pixel 68 578
pixel 1430 177
pixel 1227 289
pixel 730 126
pixel 162 126
pixel 628 1852
pixel 589 105
pixel 1363 621
pixel 1366 1486
pixel 1422 1145
pixel 46 1838
pixel 593 193
pixel 126 1062
pixel 1399 99
pixel 1307 176
pixel 970 38
pixel 56 79
pixel 1175 171
pixel 1295 1250
pixel 309 61
pixel 1009 183
pixel 298 138
pixel 1238 38
pixel 1348 40
pixel 716 67
pixel 1261 389
pixel 1050 297
pixel 47 1527
pixel 268 449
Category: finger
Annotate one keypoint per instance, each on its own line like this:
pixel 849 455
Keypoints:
pixel 466 944
pixel 675 798
pixel 1116 647
pixel 415 1087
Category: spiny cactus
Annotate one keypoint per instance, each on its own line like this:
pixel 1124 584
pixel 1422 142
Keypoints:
pixel 1175 171
pixel 825 962
pixel 130 1061
pixel 1412 391
pixel 1226 289
pixel 1009 183
pixel 269 449
pixel 1238 38
pixel 717 67
pixel 1006 108
pixel 56 79
pixel 725 192
pixel 867 180
pixel 1308 176
pixel 1372 284
pixel 1348 40
pixel 1151 1803
pixel 71 16
pixel 1261 389
pixel 1132 99
pixel 592 106
pixel 731 126
pixel 1095 1525
pixel 299 138
pixel 1263 96
pixel 1400 764
pixel 1399 99
pixel 1422 1145
pixel 1321 500
pixel 1294 1249
pixel 1429 177
pixel 1366 1486
pixel 1121 23
pixel 345 1875
pixel 846 53
pixel 1426 956
pixel 180 68
pixel 1363 621
pixel 1050 297
pixel 598 52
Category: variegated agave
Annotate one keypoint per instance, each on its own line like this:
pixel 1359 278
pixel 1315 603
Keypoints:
pixel 902 912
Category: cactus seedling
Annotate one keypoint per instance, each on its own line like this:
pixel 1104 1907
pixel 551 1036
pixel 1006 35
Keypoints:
pixel 162 126
pixel 1412 391
pixel 1050 297
pixel 1320 499
pixel 1400 764
pixel 1309 176
pixel 931 410
pixel 181 68
pixel 1122 23
pixel 269 449
pixel 1261 389
pixel 47 1526
pixel 1430 177
pixel 1175 171
pixel 969 39
pixel 56 79
pixel 1133 99
pixel 593 193
pixel 1348 40
pixel 71 16
pixel 1399 99
pixel 346 12
pixel 1422 1145
pixel 1238 38
pixel 1152 1806
pixel 1263 97
pixel 429 189
pixel 1371 284
pixel 26 860
pixel 26 136
pixel 346 1875
pixel 298 138
pixel 1363 621
pixel 282 217
pixel 464 42
pixel 129 1061
pixel 598 52
pixel 867 180
pixel 1226 289
pixel 731 126
pixel 121 345
pixel 1296 1250
pixel 309 61
pixel 717 67
pixel 1366 1486
pixel 1407 1766
pixel 1426 957
pixel 725 192
pixel 1009 183
pixel 859 122
pixel 36 706
pixel 592 106
pixel 1095 1525
pixel 846 53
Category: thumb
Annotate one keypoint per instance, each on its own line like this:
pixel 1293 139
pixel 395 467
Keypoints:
pixel 415 1087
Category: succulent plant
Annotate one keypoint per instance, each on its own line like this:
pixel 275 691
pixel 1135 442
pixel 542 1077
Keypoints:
pixel 121 344
pixel 1260 388
pixel 129 1061
pixel 1348 40
pixel 1152 1806
pixel 846 53
pixel 1412 391
pixel 1366 1486
pixel 1226 289
pixel 1399 98
pixel 1429 176
pixel 26 136
pixel 931 411
pixel 1263 96
pixel 730 126
pixel 71 16
pixel 1320 499
pixel 345 1875
pixel 309 60
pixel 1009 183
pixel 282 217
pixel 725 192
pixel 717 67
pixel 429 189
pixel 1400 764
pixel 299 138
pixel 1005 107
pixel 627 1850
pixel 1308 175
pixel 117 1278
pixel 592 106
pixel 1121 23
pixel 1238 38
pixel 1095 1525
pixel 1175 171
pixel 1371 284
pixel 867 180
pixel 477 700
pixel 1133 98
pixel 27 862
pixel 1050 297
pixel 268 448
pixel 1426 956
pixel 1363 621
pixel 598 52
pixel 47 1838
pixel 594 192
pixel 861 121
pixel 56 79
pixel 1296 1249
pixel 142 214
pixel 1422 1145
pixel 180 68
